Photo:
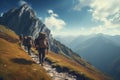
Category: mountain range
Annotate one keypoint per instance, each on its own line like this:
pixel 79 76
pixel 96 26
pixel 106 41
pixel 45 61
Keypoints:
pixel 102 51
pixel 23 20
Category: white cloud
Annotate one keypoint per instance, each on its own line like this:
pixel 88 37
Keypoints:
pixel 40 18
pixel 50 11
pixel 53 22
pixel 79 4
pixel 116 18
pixel 106 11
pixel 21 2
pixel 104 8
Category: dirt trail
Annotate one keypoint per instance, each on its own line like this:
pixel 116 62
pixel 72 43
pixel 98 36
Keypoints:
pixel 53 72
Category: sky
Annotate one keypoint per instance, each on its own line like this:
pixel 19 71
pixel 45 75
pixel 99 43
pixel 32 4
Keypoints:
pixel 73 17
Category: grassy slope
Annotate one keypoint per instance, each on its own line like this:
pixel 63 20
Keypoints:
pixel 91 73
pixel 83 68
pixel 15 64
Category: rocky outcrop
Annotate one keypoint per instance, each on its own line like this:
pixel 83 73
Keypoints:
pixel 23 20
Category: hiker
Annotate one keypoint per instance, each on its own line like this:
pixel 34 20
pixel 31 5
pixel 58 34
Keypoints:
pixel 25 42
pixel 21 39
pixel 41 44
pixel 29 43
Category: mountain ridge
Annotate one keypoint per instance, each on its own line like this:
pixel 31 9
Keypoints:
pixel 100 50
pixel 17 58
pixel 37 27
pixel 23 20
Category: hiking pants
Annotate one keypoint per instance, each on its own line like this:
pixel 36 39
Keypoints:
pixel 29 49
pixel 41 55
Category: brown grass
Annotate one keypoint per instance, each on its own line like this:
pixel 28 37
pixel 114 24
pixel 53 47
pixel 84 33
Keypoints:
pixel 62 61
pixel 8 34
pixel 15 64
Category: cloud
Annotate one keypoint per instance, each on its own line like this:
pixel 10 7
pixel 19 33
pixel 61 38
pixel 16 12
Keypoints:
pixel 54 22
pixel 50 11
pixel 79 4
pixel 40 18
pixel 21 2
pixel 104 8
pixel 105 11
pixel 116 18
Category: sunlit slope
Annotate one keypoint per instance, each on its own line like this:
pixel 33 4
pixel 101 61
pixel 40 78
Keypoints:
pixel 88 71
pixel 15 64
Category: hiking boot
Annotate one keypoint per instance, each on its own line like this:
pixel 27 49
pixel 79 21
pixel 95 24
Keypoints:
pixel 42 64
pixel 39 63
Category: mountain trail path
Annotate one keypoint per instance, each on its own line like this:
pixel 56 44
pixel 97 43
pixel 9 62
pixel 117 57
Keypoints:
pixel 52 71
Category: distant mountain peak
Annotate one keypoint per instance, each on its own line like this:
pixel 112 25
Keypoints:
pixel 24 21
pixel 25 6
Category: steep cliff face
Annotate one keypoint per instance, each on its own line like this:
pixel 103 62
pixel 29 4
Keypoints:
pixel 23 20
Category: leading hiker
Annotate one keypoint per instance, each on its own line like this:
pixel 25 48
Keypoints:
pixel 41 44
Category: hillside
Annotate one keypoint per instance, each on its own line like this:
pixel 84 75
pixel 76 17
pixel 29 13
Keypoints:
pixel 80 70
pixel 15 64
pixel 23 20
pixel 102 51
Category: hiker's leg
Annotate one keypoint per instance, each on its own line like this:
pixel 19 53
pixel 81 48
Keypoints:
pixel 43 55
pixel 25 47
pixel 40 61
pixel 39 51
pixel 29 50
pixel 20 43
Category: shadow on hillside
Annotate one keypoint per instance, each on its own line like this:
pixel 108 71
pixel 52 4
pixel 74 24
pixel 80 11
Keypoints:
pixel 22 61
pixel 1 78
pixel 8 38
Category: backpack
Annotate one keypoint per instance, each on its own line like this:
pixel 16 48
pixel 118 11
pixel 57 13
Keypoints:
pixel 42 35
pixel 29 41
pixel 41 41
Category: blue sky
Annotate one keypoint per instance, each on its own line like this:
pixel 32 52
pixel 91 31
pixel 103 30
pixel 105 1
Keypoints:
pixel 74 17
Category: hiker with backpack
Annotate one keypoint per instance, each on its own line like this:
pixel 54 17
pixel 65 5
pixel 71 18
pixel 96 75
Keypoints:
pixel 41 44
pixel 25 42
pixel 29 43
pixel 21 39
